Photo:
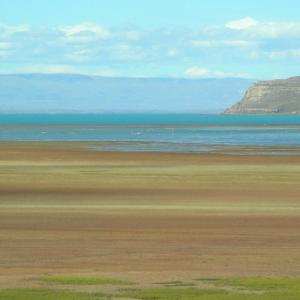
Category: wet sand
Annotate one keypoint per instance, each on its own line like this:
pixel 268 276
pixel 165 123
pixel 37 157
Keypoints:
pixel 145 217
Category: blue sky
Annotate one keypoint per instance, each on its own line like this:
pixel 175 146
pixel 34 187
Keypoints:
pixel 191 38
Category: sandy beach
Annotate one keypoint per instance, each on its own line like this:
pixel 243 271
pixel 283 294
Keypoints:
pixel 146 217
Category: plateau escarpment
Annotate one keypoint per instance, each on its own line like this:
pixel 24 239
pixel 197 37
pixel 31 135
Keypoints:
pixel 270 97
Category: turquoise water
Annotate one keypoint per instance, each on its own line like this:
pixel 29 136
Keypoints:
pixel 147 120
pixel 203 133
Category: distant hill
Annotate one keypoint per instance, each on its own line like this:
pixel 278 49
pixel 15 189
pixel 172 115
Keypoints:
pixel 65 93
pixel 270 97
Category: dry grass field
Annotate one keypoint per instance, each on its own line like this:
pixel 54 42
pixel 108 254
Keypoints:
pixel 145 218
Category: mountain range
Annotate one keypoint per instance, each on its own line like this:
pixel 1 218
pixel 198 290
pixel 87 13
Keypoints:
pixel 72 93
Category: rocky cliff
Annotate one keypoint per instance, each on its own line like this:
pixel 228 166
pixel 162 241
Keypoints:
pixel 270 97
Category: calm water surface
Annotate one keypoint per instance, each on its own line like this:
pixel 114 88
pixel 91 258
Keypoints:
pixel 179 133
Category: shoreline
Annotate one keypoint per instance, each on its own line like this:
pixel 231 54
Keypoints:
pixel 112 147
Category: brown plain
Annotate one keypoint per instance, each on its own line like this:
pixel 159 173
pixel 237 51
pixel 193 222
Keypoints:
pixel 145 217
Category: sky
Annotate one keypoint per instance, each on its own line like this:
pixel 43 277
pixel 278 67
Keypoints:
pixel 151 38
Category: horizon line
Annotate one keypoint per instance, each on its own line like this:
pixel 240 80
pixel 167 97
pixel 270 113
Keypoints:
pixel 124 76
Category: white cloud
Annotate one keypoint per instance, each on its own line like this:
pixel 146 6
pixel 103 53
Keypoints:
pixel 84 33
pixel 242 24
pixel 5 45
pixel 130 35
pixel 58 69
pixel 253 55
pixel 198 72
pixel 48 69
pixel 264 29
pixel 172 52
pixel 291 53
pixel 222 43
pixel 7 31
pixel 127 52
pixel 80 55
pixel 5 49
pixel 90 47
pixel 106 73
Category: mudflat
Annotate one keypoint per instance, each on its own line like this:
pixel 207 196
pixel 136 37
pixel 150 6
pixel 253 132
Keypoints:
pixel 145 217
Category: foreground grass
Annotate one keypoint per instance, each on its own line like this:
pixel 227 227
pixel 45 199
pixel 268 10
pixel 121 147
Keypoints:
pixel 175 294
pixel 76 280
pixel 47 294
pixel 264 283
pixel 228 289
pixel 233 289
pixel 199 294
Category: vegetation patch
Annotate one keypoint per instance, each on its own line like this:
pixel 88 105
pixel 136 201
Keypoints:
pixel 264 283
pixel 175 294
pixel 47 294
pixel 182 284
pixel 169 282
pixel 76 280
pixel 176 283
pixel 208 279
pixel 245 289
